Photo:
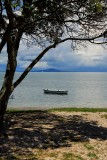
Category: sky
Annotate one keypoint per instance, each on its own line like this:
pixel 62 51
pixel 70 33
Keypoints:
pixel 90 58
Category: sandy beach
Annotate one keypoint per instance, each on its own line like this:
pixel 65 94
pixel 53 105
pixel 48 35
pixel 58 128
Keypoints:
pixel 43 135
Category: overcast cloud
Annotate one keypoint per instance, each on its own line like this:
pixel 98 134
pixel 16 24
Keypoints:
pixel 62 57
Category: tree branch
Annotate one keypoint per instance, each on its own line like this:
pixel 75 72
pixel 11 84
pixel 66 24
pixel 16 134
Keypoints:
pixel 98 43
pixel 9 10
pixel 27 70
pixel 3 41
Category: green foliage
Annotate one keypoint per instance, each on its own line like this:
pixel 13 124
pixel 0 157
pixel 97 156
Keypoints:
pixel 53 154
pixel 71 156
pixel 68 156
pixel 92 155
pixel 95 6
pixel 47 19
pixel 88 146
pixel 98 5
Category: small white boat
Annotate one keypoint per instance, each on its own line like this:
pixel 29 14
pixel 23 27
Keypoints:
pixel 55 91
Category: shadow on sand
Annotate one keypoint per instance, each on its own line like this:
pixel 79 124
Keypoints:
pixel 44 130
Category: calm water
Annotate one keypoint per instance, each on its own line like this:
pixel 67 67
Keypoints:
pixel 84 90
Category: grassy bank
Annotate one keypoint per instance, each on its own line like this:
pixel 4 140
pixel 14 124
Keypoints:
pixel 79 109
pixel 59 110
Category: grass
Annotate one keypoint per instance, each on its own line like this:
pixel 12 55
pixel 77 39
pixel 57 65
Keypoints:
pixel 79 109
pixel 88 146
pixel 60 110
pixel 67 156
pixel 92 155
pixel 71 156
pixel 104 116
pixel 53 154
pixel 24 111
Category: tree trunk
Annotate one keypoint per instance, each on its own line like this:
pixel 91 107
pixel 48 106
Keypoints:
pixel 5 93
pixel 7 87
pixel 3 106
pixel 6 90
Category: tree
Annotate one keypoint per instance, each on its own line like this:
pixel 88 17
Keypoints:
pixel 46 23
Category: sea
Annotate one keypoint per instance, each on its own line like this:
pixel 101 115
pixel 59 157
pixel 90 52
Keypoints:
pixel 85 89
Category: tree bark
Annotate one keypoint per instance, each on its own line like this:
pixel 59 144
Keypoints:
pixel 3 106
pixel 5 94
pixel 7 87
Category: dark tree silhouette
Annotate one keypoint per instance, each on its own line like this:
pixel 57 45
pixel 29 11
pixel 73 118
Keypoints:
pixel 46 23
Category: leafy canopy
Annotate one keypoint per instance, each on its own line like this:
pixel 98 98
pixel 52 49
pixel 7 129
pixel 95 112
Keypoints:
pixel 51 20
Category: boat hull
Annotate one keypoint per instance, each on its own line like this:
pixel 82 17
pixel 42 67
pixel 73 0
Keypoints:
pixel 47 91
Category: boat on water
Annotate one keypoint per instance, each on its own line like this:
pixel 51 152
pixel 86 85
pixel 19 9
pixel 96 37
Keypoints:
pixel 48 91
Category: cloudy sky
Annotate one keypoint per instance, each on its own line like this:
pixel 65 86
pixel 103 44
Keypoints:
pixel 90 58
